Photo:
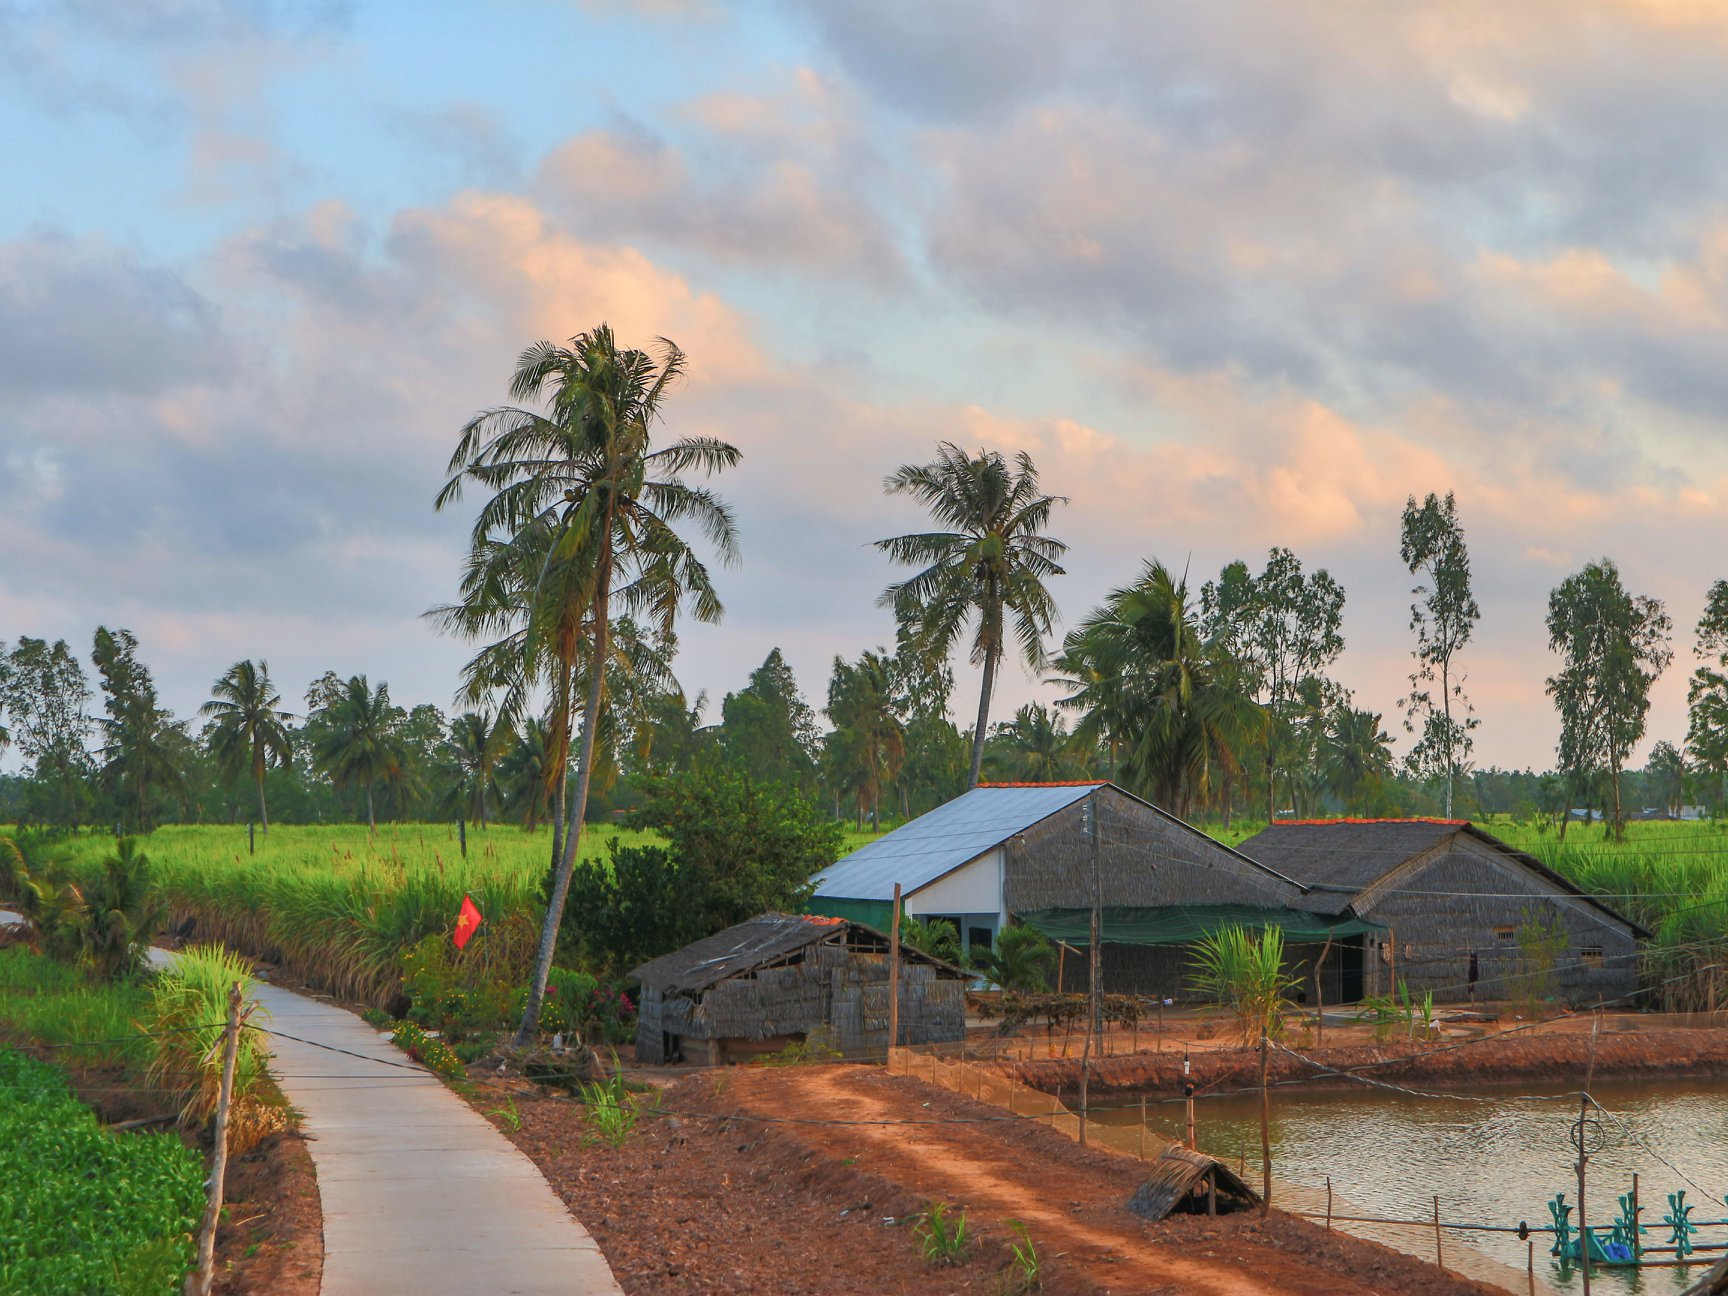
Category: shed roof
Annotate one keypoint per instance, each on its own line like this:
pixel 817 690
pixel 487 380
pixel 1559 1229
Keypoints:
pixel 955 833
pixel 757 942
pixel 1338 859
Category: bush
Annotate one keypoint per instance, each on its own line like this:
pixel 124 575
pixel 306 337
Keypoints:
pixel 428 1050
pixel 578 1005
pixel 188 1017
pixel 85 1212
pixel 1246 974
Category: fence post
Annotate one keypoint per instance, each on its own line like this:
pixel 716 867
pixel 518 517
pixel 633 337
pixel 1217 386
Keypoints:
pixel 1265 1133
pixel 1530 1264
pixel 1583 1227
pixel 1142 1127
pixel 894 978
pixel 1188 1095
pixel 1328 1203
pixel 1439 1256
pixel 198 1283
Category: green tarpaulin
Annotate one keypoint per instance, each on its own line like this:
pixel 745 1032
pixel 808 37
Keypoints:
pixel 1183 924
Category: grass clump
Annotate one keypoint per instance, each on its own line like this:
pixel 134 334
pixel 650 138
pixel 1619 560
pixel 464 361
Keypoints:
pixel 942 1234
pixel 612 1111
pixel 86 1212
pixel 1245 973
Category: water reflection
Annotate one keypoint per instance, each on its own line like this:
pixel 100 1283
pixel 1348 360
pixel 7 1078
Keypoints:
pixel 1496 1161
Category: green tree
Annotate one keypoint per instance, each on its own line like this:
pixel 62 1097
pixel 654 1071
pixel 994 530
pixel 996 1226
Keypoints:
pixel 1442 618
pixel 1021 962
pixel 1707 692
pixel 1036 746
pixel 1357 759
pixel 583 516
pixel 1665 776
pixel 1168 706
pixel 1613 645
pixel 868 746
pixel 524 774
pixel 45 693
pixel 361 744
pixel 143 748
pixel 768 729
pixel 1282 629
pixel 988 568
pixel 250 731
pixel 476 745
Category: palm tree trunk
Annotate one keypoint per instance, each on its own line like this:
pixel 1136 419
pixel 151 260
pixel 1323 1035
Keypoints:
pixel 263 810
pixel 530 1026
pixel 371 820
pixel 990 659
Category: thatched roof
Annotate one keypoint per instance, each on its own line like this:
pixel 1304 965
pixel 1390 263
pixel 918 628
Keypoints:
pixel 1176 1173
pixel 763 941
pixel 1338 859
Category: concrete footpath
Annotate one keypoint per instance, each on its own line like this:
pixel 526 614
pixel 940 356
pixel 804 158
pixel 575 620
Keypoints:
pixel 422 1196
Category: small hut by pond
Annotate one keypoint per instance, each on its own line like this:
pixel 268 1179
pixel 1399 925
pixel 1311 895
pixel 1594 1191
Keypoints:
pixel 1182 1181
pixel 784 979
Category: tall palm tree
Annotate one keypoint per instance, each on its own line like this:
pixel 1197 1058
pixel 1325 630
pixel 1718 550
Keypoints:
pixel 1355 756
pixel 361 747
pixel 477 744
pixel 988 567
pixel 582 518
pixel 868 746
pixel 1036 746
pixel 1147 686
pixel 251 731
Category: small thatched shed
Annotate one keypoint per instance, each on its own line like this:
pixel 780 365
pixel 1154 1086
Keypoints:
pixel 1182 1181
pixel 1455 911
pixel 783 979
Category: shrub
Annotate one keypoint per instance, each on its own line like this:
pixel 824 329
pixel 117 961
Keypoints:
pixel 1021 963
pixel 188 1017
pixel 428 1050
pixel 1246 974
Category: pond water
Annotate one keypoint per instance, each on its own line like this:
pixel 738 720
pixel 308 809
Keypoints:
pixel 1493 1157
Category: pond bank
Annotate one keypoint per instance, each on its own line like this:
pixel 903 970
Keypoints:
pixel 1557 1056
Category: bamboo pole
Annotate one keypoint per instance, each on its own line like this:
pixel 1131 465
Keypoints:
pixel 894 976
pixel 1583 1228
pixel 198 1283
pixel 1530 1264
pixel 1439 1255
pixel 1265 1133
pixel 1328 1203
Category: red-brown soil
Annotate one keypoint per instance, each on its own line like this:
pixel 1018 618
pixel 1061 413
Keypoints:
pixel 710 1200
pixel 1558 1056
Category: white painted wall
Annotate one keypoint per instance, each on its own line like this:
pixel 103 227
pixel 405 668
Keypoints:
pixel 974 888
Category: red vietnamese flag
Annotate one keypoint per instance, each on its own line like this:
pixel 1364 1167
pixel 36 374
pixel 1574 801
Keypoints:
pixel 468 921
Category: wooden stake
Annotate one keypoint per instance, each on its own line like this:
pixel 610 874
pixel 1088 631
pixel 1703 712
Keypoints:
pixel 1142 1127
pixel 894 975
pixel 1439 1257
pixel 198 1283
pixel 1328 1203
pixel 1583 1227
pixel 1188 1093
pixel 1637 1246
pixel 1320 991
pixel 1530 1264
pixel 1265 1134
pixel 1212 1190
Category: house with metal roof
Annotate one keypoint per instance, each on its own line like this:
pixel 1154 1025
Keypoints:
pixel 1452 909
pixel 1030 853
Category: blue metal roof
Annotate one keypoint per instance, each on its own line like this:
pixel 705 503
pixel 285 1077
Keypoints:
pixel 935 844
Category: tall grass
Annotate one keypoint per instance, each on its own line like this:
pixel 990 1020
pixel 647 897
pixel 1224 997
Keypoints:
pixel 334 905
pixel 57 1005
pixel 1244 972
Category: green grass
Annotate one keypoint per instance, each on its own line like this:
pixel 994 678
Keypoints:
pixel 57 1005
pixel 85 1212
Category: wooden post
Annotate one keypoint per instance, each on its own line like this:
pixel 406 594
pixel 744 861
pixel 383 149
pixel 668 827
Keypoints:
pixel 251 837
pixel 894 975
pixel 462 835
pixel 1188 1095
pixel 1265 1132
pixel 1093 1004
pixel 1392 960
pixel 1061 963
pixel 1583 1226
pixel 1160 1023
pixel 1011 1110
pixel 1637 1246
pixel 1530 1264
pixel 1328 1203
pixel 1439 1256
pixel 1212 1190
pixel 198 1283
pixel 1142 1127
pixel 1320 991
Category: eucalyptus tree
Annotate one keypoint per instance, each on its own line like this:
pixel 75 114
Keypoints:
pixel 360 743
pixel 44 693
pixel 250 730
pixel 1442 618
pixel 1707 693
pixel 986 568
pixel 1282 629
pixel 582 520
pixel 1613 645
pixel 1149 687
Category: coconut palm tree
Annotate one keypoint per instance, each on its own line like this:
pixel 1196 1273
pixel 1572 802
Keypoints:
pixel 583 520
pixel 360 746
pixel 1355 756
pixel 1149 688
pixel 987 568
pixel 250 731
pixel 1036 746
pixel 476 743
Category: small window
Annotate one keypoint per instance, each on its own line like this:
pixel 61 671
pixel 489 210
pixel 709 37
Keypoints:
pixel 1590 956
pixel 1505 933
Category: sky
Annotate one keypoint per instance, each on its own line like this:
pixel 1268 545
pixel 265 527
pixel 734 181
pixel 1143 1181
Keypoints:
pixel 1235 275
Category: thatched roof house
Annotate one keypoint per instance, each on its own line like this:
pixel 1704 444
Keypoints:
pixel 1024 852
pixel 782 979
pixel 1447 897
pixel 1182 1181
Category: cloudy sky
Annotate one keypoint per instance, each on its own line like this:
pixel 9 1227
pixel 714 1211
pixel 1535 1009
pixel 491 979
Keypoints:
pixel 1237 275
